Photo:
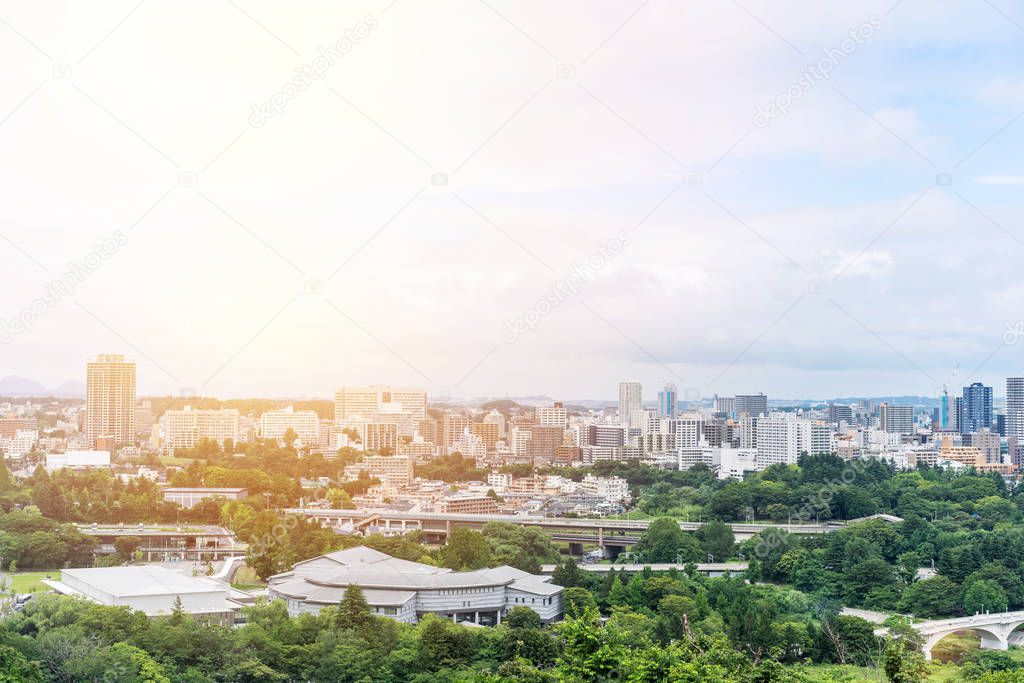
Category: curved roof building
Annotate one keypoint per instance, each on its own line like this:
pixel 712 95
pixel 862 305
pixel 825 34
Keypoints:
pixel 406 590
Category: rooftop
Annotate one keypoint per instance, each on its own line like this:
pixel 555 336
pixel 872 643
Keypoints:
pixel 143 580
pixel 324 578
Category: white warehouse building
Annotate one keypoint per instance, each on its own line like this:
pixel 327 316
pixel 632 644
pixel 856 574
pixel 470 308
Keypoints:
pixel 406 591
pixel 151 589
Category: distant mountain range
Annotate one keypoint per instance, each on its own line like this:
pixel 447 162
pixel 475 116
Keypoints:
pixel 12 385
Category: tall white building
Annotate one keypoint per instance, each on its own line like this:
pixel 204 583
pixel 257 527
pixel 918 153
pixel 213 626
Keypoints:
pixel 186 428
pixel 782 437
pixel 110 399
pixel 305 423
pixel 688 432
pixel 631 402
pixel 1015 418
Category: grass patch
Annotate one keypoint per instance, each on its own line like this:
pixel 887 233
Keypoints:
pixel 834 673
pixel 248 586
pixel 30 582
pixel 166 460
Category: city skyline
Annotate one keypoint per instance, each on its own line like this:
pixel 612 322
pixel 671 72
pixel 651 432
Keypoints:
pixel 581 162
pixel 73 389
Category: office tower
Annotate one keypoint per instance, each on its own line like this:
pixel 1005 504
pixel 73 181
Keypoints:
pixel 999 424
pixel 752 404
pixel 839 413
pixel 186 428
pixel 977 408
pixel 725 405
pixel 1015 418
pixel 274 424
pixel 668 400
pixel 110 399
pixel 553 416
pixel 630 402
pixel 957 415
pixel 896 419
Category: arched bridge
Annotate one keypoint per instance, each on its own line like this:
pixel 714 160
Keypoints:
pixel 994 628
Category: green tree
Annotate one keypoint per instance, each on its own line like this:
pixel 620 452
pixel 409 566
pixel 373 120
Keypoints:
pixel 15 668
pixel 665 541
pixel 865 576
pixel 522 617
pixel 466 549
pixel 575 600
pixel 353 612
pixel 984 595
pixel 126 547
pixel 903 662
pixel 717 539
pixel 567 574
pixel 934 597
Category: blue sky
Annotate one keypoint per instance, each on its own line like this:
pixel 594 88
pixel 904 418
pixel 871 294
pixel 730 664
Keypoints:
pixel 811 257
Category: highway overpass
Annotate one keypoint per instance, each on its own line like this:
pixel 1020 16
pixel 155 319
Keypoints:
pixel 601 532
pixel 706 568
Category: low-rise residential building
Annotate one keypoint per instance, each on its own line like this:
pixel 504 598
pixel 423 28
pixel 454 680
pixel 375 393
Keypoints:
pixel 189 497
pixel 20 444
pixel 611 489
pixel 470 505
pixel 78 460
pixel 393 471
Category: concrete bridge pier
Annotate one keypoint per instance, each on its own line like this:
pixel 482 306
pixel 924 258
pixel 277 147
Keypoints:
pixel 988 643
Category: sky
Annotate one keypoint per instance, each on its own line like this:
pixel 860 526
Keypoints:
pixel 490 198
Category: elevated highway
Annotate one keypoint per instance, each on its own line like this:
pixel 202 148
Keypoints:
pixel 603 532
